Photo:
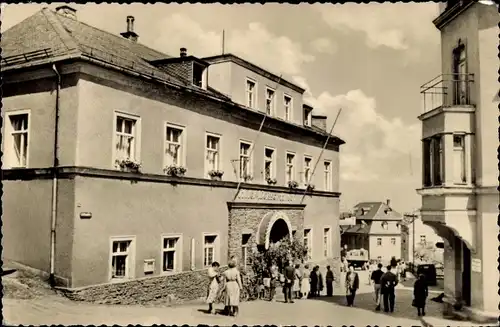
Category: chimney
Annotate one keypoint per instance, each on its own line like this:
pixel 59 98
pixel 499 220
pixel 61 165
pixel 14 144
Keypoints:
pixel 388 202
pixel 319 121
pixel 66 11
pixel 130 34
pixel 183 52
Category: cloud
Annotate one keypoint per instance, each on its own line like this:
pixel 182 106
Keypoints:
pixel 324 45
pixel 256 43
pixel 398 29
pixel 372 140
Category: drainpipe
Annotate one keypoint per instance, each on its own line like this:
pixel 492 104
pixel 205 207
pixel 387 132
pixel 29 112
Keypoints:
pixel 53 218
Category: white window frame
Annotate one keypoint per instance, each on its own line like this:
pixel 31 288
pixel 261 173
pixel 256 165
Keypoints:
pixel 292 165
pixel 328 244
pixel 137 136
pixel 309 169
pixel 307 117
pixel 423 239
pixel 10 160
pixel 327 181
pixel 216 247
pixel 249 156
pixel 254 93
pixel 379 239
pixel 272 108
pixel 463 160
pixel 130 263
pixel 310 242
pixel 288 110
pixel 177 254
pixel 245 249
pixel 207 150
pixel 272 161
pixel 182 144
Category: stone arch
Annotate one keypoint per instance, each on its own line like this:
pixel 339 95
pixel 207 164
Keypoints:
pixel 463 232
pixel 266 226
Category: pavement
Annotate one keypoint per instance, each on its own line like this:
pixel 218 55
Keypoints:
pixel 322 311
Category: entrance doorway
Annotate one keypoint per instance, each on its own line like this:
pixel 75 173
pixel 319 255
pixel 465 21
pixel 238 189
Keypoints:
pixel 466 274
pixel 279 231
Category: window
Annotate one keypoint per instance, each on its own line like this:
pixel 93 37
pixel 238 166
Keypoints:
pixel 459 159
pixel 171 253
pixel 307 116
pixel 328 175
pixel 433 161
pixel 245 161
pixel 290 167
pixel 212 149
pixel 245 243
pixel 126 146
pixel 251 93
pixel 269 101
pixel 268 163
pixel 393 241
pixel 326 242
pixel 307 169
pixel 385 225
pixel 294 232
pixel 198 77
pixel 287 100
pixel 308 242
pixel 461 95
pixel 379 241
pixel 209 247
pixel 174 149
pixel 16 147
pixel 121 259
pixel 423 239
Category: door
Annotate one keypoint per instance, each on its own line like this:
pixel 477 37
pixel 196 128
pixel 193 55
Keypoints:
pixel 460 79
pixel 466 275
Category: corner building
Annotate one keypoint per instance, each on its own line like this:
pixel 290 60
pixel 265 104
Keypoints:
pixel 83 107
pixel 460 165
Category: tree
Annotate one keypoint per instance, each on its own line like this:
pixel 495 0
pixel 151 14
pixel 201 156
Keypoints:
pixel 425 252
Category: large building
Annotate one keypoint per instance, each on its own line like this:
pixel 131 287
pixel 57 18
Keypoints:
pixel 377 229
pixel 121 162
pixel 460 165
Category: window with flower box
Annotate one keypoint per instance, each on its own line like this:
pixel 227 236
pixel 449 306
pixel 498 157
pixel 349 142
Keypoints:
pixel 245 161
pixel 174 145
pixel 269 164
pixel 307 169
pixel 126 138
pixel 212 149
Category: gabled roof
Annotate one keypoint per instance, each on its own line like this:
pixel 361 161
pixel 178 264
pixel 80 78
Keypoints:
pixel 375 211
pixel 358 229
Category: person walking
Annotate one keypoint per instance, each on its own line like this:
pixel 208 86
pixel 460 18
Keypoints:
pixel 266 280
pixel 330 278
pixel 275 281
pixel 213 286
pixel 297 282
pixel 352 285
pixel 233 288
pixel 420 293
pixel 403 271
pixel 305 283
pixel 376 276
pixel 388 283
pixel 289 274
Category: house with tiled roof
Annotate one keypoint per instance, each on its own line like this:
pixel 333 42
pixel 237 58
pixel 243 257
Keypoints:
pixel 377 229
pixel 125 164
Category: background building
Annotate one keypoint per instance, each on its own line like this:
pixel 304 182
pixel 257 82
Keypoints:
pixel 425 240
pixel 460 164
pixel 122 162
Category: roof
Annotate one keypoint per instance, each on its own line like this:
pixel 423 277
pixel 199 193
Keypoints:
pixel 375 211
pixel 358 229
pixel 255 68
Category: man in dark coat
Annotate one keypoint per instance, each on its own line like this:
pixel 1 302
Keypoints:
pixel 376 277
pixel 329 281
pixel 388 284
pixel 420 293
pixel 289 273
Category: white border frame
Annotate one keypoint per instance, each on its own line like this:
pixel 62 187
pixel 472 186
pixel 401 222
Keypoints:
pixel 7 143
pixel 256 94
pixel 217 247
pixel 183 144
pixel 205 170
pixel 273 106
pixel 178 265
pixel 274 164
pixel 138 136
pixel 132 257
pixel 286 95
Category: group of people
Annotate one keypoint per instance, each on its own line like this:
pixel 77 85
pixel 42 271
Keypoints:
pixel 231 279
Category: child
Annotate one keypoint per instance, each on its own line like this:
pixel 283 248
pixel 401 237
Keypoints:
pixel 261 289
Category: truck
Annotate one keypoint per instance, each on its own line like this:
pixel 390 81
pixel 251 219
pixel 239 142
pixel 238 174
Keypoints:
pixel 357 258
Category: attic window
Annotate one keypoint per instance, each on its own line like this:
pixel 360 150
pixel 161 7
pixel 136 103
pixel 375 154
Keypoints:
pixel 307 117
pixel 198 75
pixel 384 225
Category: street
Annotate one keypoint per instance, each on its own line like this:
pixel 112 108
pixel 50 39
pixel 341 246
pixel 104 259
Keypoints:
pixel 321 311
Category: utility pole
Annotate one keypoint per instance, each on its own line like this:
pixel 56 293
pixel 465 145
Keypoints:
pixel 413 217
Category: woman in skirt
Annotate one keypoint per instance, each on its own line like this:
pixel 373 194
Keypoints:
pixel 213 287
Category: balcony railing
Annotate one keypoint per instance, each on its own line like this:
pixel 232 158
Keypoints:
pixel 447 90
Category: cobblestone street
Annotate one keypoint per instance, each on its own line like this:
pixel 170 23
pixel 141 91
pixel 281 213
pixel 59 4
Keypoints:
pixel 321 311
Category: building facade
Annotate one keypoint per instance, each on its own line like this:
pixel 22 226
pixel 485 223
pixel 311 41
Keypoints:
pixel 460 165
pixel 417 236
pixel 121 162
pixel 377 230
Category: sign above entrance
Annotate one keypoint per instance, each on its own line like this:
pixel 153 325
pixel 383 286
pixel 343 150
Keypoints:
pixel 266 196
pixel 476 265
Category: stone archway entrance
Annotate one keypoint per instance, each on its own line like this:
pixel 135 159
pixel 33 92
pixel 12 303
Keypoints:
pixel 279 230
pixel 273 227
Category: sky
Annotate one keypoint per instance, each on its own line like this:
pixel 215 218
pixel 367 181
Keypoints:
pixel 367 59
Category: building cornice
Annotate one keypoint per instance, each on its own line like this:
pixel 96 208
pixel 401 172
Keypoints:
pixel 451 13
pixel 71 172
pixel 456 190
pixel 267 205
pixel 453 109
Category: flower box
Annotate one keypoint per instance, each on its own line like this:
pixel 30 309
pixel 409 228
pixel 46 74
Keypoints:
pixel 216 174
pixel 293 184
pixel 174 170
pixel 271 181
pixel 128 165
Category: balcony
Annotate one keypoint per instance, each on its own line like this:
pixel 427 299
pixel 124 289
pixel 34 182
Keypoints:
pixel 446 91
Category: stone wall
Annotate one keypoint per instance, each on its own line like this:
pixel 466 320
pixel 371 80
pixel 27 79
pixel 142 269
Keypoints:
pixel 169 289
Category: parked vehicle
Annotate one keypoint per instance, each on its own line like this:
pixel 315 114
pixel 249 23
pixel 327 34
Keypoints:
pixel 429 271
pixel 357 258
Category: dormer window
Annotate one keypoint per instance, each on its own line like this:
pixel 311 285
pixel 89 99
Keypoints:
pixel 385 225
pixel 307 116
pixel 198 75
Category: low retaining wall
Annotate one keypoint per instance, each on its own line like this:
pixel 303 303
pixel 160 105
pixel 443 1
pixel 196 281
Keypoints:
pixel 168 289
